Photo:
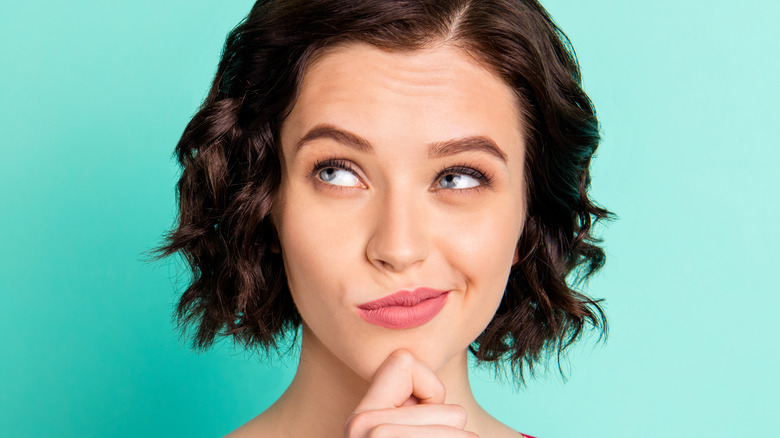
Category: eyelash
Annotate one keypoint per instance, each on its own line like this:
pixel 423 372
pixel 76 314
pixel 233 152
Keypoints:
pixel 469 170
pixel 334 163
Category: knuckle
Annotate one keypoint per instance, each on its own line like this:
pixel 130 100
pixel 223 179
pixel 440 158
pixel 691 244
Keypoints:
pixel 402 358
pixel 356 422
pixel 381 431
pixel 458 414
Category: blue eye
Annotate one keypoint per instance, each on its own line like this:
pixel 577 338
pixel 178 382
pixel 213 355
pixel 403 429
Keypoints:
pixel 338 177
pixel 456 181
pixel 336 172
pixel 461 178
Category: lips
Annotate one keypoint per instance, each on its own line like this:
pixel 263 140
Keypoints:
pixel 404 309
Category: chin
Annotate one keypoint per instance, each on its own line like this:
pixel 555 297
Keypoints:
pixel 430 351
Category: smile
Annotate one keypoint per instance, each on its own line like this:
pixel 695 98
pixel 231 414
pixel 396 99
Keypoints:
pixel 404 309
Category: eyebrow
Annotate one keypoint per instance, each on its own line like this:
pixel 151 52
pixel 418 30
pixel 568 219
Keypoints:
pixel 346 138
pixel 467 144
pixel 435 150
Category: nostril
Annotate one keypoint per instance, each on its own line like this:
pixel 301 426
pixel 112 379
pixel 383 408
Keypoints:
pixel 387 266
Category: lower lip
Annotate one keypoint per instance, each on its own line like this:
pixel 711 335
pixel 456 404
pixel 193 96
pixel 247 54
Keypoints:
pixel 402 317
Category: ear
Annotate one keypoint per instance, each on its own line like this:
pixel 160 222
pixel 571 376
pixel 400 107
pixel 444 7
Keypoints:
pixel 521 235
pixel 272 234
pixel 516 258
pixel 274 245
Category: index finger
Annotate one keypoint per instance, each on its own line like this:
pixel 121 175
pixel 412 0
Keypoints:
pixel 400 376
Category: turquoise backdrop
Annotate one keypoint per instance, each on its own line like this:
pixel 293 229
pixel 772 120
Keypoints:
pixel 93 97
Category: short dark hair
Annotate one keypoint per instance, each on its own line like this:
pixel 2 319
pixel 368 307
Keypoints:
pixel 229 153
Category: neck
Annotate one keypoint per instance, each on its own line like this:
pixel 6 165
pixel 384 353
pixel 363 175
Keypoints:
pixel 325 391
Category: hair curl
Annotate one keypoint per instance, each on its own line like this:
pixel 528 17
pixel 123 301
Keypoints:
pixel 231 169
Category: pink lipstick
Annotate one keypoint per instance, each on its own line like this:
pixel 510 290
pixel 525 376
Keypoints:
pixel 404 309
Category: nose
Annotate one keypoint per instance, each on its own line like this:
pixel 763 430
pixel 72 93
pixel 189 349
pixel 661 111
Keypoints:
pixel 399 239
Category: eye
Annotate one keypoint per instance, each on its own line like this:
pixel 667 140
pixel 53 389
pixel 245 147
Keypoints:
pixel 338 177
pixel 455 181
pixel 337 173
pixel 460 178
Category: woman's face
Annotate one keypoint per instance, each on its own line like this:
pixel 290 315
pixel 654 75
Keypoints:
pixel 402 171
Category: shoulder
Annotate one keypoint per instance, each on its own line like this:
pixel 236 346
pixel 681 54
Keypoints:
pixel 258 427
pixel 245 431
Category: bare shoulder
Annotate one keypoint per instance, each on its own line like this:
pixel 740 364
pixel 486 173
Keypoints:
pixel 504 431
pixel 246 430
pixel 491 427
pixel 258 427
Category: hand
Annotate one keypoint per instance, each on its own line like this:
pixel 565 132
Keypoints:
pixel 406 399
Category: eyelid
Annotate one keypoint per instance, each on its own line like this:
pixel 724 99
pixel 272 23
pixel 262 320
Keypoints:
pixel 470 170
pixel 335 163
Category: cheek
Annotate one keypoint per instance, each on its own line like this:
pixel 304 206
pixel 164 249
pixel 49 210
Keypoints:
pixel 483 242
pixel 307 249
pixel 482 250
pixel 319 245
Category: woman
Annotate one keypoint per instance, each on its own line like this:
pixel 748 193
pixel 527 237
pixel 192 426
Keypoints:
pixel 403 181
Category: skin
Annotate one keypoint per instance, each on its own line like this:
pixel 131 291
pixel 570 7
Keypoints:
pixel 388 216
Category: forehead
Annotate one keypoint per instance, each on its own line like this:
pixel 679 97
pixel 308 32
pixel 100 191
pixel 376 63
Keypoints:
pixel 404 97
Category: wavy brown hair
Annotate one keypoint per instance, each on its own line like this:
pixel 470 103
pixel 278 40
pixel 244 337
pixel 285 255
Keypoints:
pixel 229 153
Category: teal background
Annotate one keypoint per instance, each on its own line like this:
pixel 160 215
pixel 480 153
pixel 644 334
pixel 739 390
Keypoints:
pixel 94 95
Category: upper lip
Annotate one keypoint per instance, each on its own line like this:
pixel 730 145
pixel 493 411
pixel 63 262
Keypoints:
pixel 404 298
